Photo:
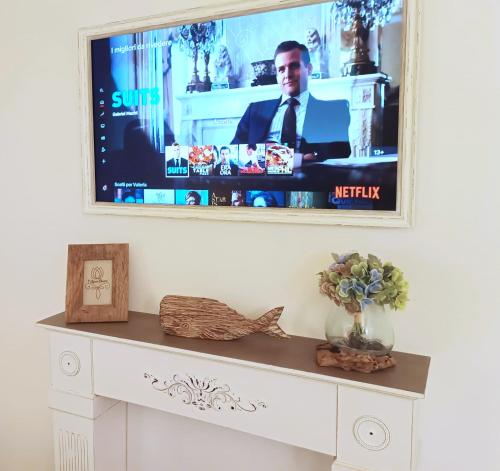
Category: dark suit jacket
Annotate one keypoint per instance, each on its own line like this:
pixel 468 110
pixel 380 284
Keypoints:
pixel 180 170
pixel 325 132
pixel 171 162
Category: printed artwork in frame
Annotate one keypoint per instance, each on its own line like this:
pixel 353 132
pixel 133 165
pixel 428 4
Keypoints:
pixel 181 113
pixel 97 283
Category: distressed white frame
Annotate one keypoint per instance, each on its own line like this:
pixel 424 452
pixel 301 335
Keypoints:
pixel 401 217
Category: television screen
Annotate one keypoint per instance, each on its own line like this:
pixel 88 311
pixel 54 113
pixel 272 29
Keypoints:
pixel 291 108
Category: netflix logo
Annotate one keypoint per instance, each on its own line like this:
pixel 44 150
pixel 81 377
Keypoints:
pixel 365 192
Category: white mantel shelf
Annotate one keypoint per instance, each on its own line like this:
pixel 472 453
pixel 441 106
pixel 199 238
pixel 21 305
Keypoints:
pixel 261 385
pixel 318 87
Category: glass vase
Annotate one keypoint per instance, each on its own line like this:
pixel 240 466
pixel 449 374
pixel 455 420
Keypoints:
pixel 369 332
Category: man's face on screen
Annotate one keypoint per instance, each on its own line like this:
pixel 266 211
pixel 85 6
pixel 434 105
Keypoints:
pixel 224 156
pixel 291 72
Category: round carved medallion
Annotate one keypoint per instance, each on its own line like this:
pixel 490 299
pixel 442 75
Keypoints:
pixel 371 433
pixel 69 363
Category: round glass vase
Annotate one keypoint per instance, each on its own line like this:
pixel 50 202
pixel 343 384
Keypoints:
pixel 369 332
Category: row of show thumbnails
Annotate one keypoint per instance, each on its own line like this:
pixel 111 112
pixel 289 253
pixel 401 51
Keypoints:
pixel 252 198
pixel 228 160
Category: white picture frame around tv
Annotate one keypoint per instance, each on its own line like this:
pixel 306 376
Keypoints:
pixel 365 95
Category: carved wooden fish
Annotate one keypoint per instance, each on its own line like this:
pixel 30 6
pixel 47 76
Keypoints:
pixel 205 318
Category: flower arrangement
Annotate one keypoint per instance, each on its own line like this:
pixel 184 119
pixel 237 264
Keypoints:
pixel 355 282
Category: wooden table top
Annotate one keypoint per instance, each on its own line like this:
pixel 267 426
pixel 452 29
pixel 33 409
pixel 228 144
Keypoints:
pixel 297 353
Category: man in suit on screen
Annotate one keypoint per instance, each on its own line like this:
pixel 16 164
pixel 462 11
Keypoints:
pixel 177 165
pixel 315 128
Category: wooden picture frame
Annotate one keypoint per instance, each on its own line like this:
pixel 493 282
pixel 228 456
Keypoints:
pixel 97 283
pixel 401 216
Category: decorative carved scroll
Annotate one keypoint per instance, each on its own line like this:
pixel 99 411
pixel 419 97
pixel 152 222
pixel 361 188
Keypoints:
pixel 204 394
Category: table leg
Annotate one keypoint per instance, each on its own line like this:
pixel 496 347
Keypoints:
pixel 89 433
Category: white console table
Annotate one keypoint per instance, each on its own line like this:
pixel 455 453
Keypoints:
pixel 261 385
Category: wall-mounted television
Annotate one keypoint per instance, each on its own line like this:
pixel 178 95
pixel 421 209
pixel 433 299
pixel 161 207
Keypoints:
pixel 289 112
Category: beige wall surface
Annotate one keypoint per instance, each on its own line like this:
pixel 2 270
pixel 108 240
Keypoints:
pixel 451 255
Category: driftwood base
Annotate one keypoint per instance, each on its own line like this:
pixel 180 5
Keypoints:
pixel 348 361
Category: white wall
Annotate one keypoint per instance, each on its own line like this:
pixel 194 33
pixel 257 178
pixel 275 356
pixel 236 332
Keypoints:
pixel 451 256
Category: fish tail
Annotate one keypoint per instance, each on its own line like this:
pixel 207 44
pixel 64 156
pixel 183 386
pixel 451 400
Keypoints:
pixel 269 323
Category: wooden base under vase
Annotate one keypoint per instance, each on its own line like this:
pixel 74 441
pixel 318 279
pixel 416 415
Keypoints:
pixel 327 356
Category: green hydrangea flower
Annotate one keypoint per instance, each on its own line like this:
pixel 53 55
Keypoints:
pixel 354 281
